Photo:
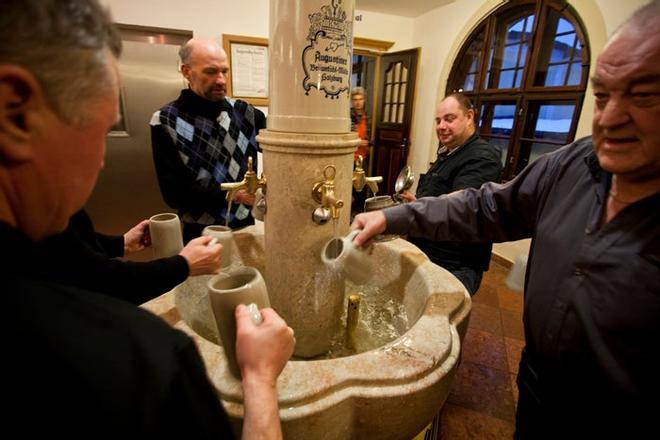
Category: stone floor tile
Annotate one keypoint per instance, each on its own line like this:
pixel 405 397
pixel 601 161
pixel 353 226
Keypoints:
pixel 512 324
pixel 483 389
pixel 513 350
pixel 458 423
pixel 485 348
pixel 485 317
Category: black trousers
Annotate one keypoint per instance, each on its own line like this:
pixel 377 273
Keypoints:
pixel 471 278
pixel 529 413
pixel 568 407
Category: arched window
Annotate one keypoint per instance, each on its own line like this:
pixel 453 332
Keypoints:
pixel 526 69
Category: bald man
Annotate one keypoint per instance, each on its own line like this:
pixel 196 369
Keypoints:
pixel 203 139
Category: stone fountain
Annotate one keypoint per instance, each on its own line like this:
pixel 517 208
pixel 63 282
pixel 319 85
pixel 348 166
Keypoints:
pixel 388 388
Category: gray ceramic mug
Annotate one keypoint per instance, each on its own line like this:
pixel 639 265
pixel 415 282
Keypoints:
pixel 343 255
pixel 375 204
pixel 166 237
pixel 244 285
pixel 225 237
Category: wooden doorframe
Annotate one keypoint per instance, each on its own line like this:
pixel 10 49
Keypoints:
pixel 387 134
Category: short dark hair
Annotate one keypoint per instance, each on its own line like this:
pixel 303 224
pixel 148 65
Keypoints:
pixel 65 45
pixel 462 100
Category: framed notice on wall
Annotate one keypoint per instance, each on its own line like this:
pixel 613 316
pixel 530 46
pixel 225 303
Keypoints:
pixel 248 64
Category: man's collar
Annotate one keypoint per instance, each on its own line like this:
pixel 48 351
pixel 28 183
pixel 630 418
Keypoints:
pixel 446 152
pixel 204 105
pixel 591 160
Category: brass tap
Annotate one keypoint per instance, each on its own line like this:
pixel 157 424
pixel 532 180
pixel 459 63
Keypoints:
pixel 323 192
pixel 250 183
pixel 352 315
pixel 360 180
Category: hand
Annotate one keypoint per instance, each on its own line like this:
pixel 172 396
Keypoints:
pixel 202 259
pixel 372 223
pixel 262 351
pixel 364 142
pixel 242 196
pixel 137 238
pixel 408 196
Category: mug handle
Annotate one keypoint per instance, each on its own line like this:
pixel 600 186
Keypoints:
pixel 354 233
pixel 255 315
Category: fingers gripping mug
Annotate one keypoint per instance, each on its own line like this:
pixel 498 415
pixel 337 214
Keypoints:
pixel 244 285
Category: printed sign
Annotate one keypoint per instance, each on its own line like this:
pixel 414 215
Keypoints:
pixel 327 59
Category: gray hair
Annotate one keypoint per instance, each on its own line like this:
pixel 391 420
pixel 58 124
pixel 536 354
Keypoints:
pixel 357 91
pixel 643 16
pixel 641 19
pixel 185 52
pixel 65 45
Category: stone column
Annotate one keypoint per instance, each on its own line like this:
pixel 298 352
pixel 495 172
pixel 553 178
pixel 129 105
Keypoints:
pixel 308 129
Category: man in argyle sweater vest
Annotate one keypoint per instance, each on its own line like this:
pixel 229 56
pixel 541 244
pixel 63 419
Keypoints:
pixel 203 139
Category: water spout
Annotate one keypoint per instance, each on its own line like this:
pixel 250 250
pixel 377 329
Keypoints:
pixel 352 316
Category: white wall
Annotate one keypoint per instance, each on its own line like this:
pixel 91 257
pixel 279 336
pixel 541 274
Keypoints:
pixel 209 18
pixel 213 18
pixel 385 27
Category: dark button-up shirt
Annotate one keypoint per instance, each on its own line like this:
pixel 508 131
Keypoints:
pixel 592 297
pixel 468 166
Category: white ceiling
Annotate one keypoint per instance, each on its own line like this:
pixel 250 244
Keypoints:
pixel 405 8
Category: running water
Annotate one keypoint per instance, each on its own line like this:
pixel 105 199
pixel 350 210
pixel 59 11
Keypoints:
pixel 382 319
pixel 382 316
pixel 228 214
pixel 335 236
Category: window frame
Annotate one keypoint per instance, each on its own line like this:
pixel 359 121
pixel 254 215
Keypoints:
pixel 527 92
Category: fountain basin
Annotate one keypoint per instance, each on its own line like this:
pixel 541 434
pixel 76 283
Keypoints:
pixel 388 392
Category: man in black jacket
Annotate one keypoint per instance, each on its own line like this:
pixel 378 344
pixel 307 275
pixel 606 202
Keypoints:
pixel 464 161
pixel 81 364
pixel 82 257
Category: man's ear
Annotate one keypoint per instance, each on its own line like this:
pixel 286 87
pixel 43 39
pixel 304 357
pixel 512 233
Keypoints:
pixel 185 70
pixel 20 94
pixel 471 114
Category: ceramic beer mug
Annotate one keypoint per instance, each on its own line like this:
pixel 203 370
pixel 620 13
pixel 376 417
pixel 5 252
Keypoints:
pixel 353 261
pixel 244 285
pixel 225 237
pixel 166 238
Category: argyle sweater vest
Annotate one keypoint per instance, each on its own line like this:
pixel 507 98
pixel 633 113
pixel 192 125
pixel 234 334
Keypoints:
pixel 215 151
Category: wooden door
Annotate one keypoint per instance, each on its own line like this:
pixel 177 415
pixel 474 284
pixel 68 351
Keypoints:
pixel 394 114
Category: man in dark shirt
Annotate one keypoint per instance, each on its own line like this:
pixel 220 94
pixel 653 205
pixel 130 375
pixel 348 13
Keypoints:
pixel 204 139
pixel 82 257
pixel 78 364
pixel 464 161
pixel 592 294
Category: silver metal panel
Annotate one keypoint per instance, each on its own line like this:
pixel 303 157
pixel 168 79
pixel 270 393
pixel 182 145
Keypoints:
pixel 127 190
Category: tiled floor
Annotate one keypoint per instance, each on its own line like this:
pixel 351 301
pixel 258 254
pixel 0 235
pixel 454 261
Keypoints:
pixel 482 402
